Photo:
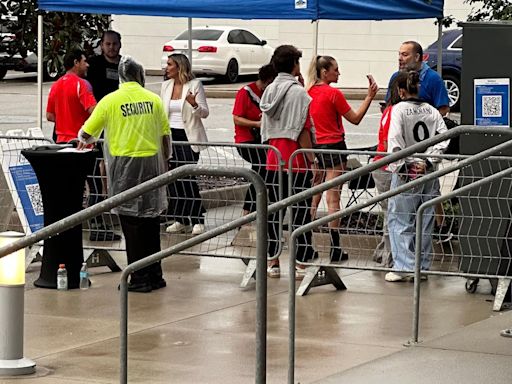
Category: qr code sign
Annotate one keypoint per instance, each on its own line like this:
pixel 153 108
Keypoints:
pixel 491 106
pixel 34 195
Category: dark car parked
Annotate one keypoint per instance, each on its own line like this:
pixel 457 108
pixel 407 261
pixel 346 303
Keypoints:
pixel 452 63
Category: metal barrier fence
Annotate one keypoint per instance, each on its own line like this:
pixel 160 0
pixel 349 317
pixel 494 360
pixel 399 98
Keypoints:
pixel 321 273
pixel 361 231
pixel 359 235
pixel 200 203
pixel 212 200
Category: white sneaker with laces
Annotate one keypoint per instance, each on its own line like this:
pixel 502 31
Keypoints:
pixel 198 229
pixel 178 227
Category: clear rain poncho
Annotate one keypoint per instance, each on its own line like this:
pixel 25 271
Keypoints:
pixel 135 143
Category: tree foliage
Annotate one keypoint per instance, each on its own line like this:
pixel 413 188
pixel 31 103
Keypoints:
pixel 486 10
pixel 62 31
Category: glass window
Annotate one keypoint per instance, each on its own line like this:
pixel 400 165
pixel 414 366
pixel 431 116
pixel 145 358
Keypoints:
pixel 250 38
pixel 458 43
pixel 201 34
pixel 236 37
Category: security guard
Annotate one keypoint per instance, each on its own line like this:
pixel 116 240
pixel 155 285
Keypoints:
pixel 137 146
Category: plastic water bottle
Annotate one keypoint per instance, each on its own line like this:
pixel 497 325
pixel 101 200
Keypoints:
pixel 62 278
pixel 84 277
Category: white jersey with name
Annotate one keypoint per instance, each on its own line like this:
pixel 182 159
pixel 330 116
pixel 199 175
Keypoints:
pixel 413 121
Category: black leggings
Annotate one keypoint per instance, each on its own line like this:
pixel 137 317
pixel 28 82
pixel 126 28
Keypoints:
pixel 257 157
pixel 301 214
pixel 185 205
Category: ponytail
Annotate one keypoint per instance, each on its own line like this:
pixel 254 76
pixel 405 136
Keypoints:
pixel 315 69
pixel 413 81
pixel 312 73
pixel 409 81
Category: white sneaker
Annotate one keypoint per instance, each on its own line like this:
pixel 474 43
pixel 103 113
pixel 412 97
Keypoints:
pixel 393 277
pixel 178 227
pixel 198 229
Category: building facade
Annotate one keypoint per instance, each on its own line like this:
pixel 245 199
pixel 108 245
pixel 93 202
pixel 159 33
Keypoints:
pixel 360 47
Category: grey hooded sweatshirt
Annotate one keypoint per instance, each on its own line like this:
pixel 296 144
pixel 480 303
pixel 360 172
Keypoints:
pixel 284 106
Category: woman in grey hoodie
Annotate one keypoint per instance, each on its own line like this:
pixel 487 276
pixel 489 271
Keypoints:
pixel 286 124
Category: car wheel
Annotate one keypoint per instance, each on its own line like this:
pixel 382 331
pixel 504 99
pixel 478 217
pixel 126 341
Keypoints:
pixel 452 84
pixel 3 72
pixel 232 71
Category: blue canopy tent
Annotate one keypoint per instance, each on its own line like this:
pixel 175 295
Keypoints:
pixel 257 9
pixel 249 9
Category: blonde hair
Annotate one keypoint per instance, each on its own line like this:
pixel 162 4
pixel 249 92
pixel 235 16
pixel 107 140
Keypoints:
pixel 315 68
pixel 184 68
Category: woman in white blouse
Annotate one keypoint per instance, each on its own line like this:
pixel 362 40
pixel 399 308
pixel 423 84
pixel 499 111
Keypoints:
pixel 185 104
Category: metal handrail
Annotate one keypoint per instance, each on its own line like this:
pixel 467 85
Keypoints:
pixel 261 265
pixel 362 171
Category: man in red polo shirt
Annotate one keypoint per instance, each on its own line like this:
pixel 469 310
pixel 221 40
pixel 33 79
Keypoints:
pixel 71 100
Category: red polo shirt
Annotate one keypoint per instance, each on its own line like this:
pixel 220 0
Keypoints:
pixel 69 99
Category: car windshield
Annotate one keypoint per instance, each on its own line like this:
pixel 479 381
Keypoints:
pixel 201 34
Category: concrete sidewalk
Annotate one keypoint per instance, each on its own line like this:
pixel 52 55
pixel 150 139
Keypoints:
pixel 474 354
pixel 200 329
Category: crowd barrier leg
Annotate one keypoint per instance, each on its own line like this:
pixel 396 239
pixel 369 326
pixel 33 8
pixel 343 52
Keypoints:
pixel 101 258
pixel 317 276
pixel 501 291
pixel 250 273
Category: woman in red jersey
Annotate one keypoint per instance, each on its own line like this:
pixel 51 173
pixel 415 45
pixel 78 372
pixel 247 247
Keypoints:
pixel 247 116
pixel 327 108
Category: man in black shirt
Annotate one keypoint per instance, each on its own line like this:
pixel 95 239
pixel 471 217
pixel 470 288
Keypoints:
pixel 102 73
pixel 104 78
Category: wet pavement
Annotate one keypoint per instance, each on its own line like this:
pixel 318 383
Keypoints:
pixel 201 329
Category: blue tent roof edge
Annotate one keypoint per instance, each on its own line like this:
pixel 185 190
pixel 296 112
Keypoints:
pixel 257 9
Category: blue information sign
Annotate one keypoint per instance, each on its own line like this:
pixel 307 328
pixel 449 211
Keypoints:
pixel 492 102
pixel 27 186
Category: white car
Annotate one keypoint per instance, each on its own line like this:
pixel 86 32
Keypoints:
pixel 221 51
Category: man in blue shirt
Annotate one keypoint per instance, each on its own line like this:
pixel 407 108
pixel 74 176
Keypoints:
pixel 433 91
pixel 432 88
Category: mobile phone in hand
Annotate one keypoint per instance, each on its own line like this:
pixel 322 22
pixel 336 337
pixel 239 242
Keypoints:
pixel 370 79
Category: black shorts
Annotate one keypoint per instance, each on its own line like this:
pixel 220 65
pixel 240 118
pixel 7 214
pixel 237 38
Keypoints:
pixel 332 160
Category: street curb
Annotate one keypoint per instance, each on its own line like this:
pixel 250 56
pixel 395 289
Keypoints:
pixel 350 93
pixel 228 91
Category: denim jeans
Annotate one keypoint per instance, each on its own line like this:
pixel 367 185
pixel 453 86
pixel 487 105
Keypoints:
pixel 382 252
pixel 402 223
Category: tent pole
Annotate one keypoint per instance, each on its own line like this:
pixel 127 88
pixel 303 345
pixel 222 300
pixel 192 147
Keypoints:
pixel 315 38
pixel 190 40
pixel 440 46
pixel 40 71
